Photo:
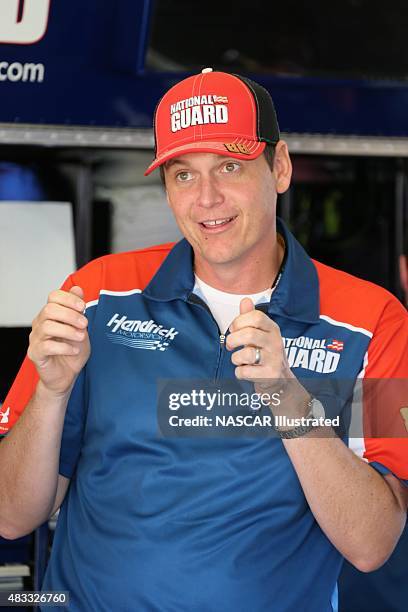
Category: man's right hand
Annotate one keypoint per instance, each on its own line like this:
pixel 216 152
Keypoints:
pixel 59 341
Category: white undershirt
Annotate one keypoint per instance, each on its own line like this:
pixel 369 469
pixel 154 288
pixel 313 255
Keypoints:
pixel 225 306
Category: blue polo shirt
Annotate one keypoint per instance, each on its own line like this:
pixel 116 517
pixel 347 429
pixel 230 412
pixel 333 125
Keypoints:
pixel 179 524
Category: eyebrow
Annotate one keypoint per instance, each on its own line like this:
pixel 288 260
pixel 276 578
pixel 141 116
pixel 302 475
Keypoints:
pixel 172 162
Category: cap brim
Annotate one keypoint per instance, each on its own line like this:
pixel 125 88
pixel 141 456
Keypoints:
pixel 254 147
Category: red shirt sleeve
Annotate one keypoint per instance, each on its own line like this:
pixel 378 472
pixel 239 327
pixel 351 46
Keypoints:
pixel 386 393
pixel 23 387
pixel 119 272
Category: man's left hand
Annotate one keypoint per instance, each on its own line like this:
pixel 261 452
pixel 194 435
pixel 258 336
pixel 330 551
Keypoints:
pixel 253 329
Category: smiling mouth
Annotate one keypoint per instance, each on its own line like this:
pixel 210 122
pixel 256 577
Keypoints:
pixel 217 222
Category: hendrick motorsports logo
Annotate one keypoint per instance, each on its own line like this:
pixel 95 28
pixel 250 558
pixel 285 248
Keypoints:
pixel 138 334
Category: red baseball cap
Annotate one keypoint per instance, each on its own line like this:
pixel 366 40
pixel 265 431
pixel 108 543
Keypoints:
pixel 214 112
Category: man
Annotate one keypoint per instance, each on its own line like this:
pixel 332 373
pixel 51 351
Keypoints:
pixel 153 522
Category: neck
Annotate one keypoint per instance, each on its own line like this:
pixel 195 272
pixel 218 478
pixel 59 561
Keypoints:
pixel 252 276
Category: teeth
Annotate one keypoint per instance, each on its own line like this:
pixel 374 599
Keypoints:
pixel 217 222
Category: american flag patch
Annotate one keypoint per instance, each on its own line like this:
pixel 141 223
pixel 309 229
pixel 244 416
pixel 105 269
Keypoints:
pixel 336 345
pixel 220 99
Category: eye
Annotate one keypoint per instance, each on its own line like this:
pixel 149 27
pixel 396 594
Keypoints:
pixel 183 176
pixel 231 167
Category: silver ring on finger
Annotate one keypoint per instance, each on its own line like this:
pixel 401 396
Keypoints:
pixel 257 359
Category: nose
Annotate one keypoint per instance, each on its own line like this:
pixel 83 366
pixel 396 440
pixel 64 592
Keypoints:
pixel 209 193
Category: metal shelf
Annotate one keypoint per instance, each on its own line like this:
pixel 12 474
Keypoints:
pixel 78 137
pixel 125 138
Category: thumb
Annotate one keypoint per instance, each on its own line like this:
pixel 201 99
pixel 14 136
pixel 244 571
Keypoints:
pixel 78 291
pixel 246 305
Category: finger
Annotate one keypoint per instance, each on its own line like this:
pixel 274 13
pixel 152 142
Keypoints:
pixel 51 348
pixel 52 329
pixel 251 336
pixel 77 290
pixel 254 318
pixel 245 356
pixel 249 372
pixel 63 314
pixel 246 305
pixel 68 298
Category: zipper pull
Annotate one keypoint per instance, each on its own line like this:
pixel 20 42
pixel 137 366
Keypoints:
pixel 222 339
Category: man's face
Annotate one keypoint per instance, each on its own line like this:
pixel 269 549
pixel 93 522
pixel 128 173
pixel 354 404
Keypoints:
pixel 240 196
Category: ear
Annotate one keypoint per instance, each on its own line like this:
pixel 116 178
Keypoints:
pixel 282 167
